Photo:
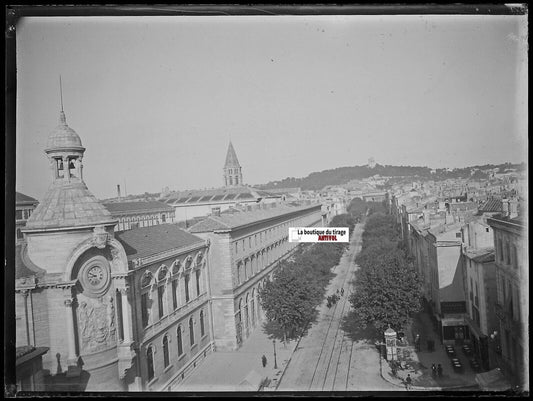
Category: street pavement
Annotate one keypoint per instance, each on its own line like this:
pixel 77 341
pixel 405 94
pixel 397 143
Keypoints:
pixel 327 359
pixel 419 364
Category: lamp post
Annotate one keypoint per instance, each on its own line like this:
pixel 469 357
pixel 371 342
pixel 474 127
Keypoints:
pixel 275 361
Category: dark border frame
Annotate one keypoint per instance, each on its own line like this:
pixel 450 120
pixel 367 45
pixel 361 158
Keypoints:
pixel 14 12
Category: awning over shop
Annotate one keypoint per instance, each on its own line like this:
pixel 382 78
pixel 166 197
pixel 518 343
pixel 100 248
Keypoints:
pixel 493 380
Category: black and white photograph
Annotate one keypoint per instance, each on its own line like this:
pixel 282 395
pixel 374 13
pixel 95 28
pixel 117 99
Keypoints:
pixel 257 199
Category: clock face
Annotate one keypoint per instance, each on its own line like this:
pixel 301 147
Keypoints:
pixel 95 276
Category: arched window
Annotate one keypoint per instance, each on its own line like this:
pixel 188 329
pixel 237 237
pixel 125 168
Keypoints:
pixel 175 294
pixel 202 325
pixel 198 272
pixel 187 295
pixel 180 342
pixel 191 331
pixel 146 279
pixel 162 274
pixel 161 300
pixel 166 358
pixel 150 362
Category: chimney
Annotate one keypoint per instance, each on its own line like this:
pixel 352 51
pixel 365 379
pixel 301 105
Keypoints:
pixel 118 191
pixel 505 207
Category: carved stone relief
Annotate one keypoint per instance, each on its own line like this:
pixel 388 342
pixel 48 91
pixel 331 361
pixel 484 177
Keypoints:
pixel 96 324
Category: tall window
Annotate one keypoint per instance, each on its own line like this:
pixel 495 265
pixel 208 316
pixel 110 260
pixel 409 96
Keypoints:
pixel 175 294
pixel 202 325
pixel 163 218
pixel 19 234
pixel 145 300
pixel 160 300
pixel 165 351
pixel 191 331
pixel 180 342
pixel 18 214
pixel 187 296
pixel 150 362
pixel 198 282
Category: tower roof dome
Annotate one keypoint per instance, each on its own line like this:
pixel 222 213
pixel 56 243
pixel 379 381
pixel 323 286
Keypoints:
pixel 63 136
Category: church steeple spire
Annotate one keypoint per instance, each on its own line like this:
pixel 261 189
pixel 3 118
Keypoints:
pixel 232 168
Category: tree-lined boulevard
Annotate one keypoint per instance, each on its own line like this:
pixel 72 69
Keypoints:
pixel 328 358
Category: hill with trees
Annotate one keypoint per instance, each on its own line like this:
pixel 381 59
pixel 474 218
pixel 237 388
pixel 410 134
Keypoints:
pixel 343 175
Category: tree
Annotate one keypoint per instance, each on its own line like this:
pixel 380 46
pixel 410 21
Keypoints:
pixel 387 288
pixel 287 300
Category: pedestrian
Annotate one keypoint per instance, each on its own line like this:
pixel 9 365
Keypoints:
pixel 439 370
pixel 408 382
pixel 417 342
pixel 342 292
pixel 264 360
pixel 433 370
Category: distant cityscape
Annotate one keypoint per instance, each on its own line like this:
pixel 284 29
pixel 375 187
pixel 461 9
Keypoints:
pixel 152 284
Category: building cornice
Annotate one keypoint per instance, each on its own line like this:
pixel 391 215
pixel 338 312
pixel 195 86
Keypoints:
pixel 141 262
pixel 310 208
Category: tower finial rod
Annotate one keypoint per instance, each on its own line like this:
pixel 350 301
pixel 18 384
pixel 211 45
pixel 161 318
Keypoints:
pixel 61 92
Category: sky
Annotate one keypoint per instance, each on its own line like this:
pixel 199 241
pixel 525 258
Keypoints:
pixel 156 100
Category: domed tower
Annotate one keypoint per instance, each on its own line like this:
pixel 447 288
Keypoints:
pixel 232 169
pixel 81 299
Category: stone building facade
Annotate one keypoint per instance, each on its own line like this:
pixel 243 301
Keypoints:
pixel 171 321
pixel 512 275
pixel 107 305
pixel 480 286
pixel 70 274
pixel 140 214
pixel 244 251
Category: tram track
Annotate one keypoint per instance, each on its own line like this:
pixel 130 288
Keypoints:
pixel 321 377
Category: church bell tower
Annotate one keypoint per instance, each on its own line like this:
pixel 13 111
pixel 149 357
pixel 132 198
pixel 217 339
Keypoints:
pixel 232 169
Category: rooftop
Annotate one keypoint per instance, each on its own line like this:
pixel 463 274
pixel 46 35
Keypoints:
pixel 68 205
pixel 198 196
pixel 27 352
pixel 139 207
pixel 238 219
pixel 63 136
pixel 231 157
pixel 21 199
pixel 149 241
